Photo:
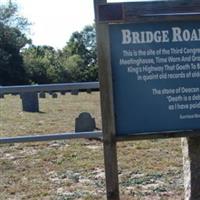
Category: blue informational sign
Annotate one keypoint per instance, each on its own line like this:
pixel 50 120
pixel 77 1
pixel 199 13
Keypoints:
pixel 156 76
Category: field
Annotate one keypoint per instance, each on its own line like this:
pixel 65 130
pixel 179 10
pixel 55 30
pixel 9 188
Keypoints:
pixel 74 169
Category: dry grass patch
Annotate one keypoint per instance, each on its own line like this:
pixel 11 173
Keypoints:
pixel 71 170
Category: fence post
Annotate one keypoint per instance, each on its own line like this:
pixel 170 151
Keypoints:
pixel 191 167
pixel 30 102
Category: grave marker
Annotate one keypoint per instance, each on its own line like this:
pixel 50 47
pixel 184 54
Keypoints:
pixel 63 92
pixel 89 91
pixel 85 123
pixel 74 92
pixel 30 102
pixel 42 95
pixel 54 95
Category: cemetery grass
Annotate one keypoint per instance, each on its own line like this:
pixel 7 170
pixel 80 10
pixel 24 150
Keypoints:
pixel 74 169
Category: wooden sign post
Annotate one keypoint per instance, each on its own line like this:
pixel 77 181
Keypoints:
pixel 149 61
pixel 191 167
pixel 109 138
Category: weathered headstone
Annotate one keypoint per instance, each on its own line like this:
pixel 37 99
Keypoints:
pixel 89 91
pixel 74 92
pixel 85 123
pixel 54 95
pixel 42 95
pixel 30 102
pixel 191 167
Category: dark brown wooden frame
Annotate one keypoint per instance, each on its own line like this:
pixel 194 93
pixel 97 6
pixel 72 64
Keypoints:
pixel 137 12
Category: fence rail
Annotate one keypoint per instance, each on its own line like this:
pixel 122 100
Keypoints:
pixel 50 137
pixel 49 87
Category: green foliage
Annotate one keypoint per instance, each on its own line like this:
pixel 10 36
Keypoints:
pixel 73 65
pixel 11 42
pixel 42 65
pixel 11 63
pixel 76 62
pixel 9 17
pixel 80 55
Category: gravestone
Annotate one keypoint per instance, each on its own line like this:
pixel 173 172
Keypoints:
pixel 74 92
pixel 42 95
pixel 30 102
pixel 54 95
pixel 63 92
pixel 85 123
pixel 89 91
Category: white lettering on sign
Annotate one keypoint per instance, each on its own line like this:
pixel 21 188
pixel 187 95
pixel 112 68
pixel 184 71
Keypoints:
pixel 185 35
pixel 160 36
pixel 129 37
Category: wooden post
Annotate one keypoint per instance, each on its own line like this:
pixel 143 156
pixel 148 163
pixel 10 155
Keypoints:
pixel 191 167
pixel 109 138
pixel 108 17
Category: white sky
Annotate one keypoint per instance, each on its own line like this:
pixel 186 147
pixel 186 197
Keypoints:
pixel 53 21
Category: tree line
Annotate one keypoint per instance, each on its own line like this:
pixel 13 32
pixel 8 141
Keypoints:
pixel 22 62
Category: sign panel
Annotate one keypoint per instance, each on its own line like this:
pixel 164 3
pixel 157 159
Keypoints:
pixel 156 76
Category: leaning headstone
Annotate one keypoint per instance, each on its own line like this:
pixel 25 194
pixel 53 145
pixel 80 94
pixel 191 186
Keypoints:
pixel 30 102
pixel 42 95
pixel 191 167
pixel 54 95
pixel 74 92
pixel 85 123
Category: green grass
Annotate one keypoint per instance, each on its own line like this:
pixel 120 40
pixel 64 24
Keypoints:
pixel 148 169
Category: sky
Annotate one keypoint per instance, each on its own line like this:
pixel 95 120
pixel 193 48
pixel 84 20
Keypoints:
pixel 53 21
